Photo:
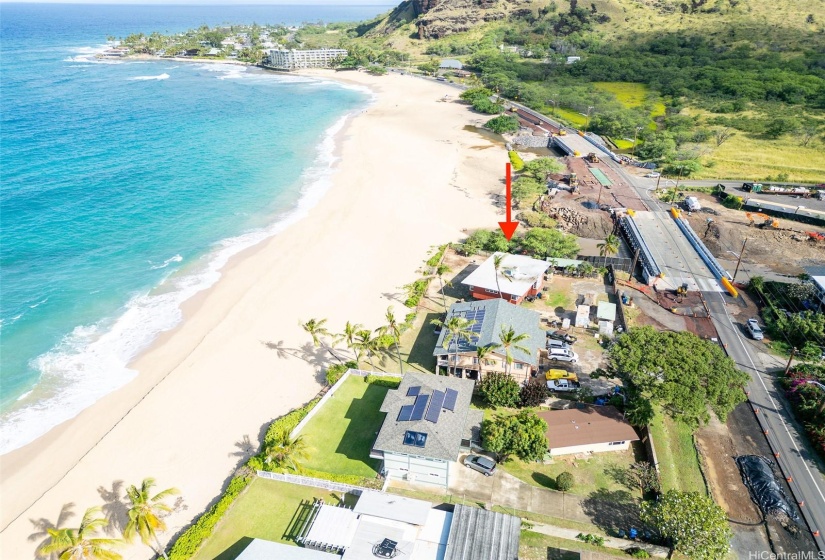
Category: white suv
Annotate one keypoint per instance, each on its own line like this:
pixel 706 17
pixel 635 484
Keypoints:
pixel 754 330
pixel 562 355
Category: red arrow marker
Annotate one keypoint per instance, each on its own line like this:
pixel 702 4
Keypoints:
pixel 508 227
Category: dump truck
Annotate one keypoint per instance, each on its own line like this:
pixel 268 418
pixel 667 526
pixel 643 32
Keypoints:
pixel 592 157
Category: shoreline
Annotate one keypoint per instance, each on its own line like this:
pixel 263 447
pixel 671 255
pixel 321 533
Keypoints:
pixel 185 402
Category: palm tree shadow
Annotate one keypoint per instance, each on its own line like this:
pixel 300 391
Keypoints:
pixel 246 449
pixel 282 351
pixel 115 510
pixel 42 525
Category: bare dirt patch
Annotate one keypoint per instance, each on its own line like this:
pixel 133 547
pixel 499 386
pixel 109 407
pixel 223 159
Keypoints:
pixel 785 249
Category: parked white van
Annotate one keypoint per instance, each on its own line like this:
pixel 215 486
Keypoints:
pixel 692 204
pixel 562 355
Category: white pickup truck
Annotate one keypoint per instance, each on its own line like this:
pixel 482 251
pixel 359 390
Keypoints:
pixel 561 385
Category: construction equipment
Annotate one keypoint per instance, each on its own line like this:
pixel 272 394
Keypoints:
pixel 591 157
pixel 752 187
pixel 768 221
pixel 815 236
pixel 573 180
pixel 682 290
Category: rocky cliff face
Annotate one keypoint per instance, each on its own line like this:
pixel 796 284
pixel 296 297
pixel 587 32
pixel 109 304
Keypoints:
pixel 439 18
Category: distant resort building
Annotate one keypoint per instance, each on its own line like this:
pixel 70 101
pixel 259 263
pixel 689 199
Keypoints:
pixel 292 59
pixel 518 277
pixel 450 64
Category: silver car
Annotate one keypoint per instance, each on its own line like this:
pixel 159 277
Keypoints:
pixel 754 330
pixel 480 463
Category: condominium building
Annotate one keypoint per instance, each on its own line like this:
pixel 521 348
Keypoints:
pixel 292 59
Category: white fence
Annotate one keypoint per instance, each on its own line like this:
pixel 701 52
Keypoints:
pixel 333 389
pixel 314 482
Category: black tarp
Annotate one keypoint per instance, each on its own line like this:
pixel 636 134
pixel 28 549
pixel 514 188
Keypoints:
pixel 764 488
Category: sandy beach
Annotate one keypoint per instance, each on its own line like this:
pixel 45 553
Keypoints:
pixel 409 177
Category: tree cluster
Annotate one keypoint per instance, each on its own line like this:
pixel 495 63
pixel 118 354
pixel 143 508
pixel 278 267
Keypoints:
pixel 522 435
pixel 677 371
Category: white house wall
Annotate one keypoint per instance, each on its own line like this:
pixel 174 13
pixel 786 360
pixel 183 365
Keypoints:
pixel 431 471
pixel 592 448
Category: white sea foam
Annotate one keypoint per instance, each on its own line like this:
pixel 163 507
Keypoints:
pixel 167 262
pixel 92 361
pixel 39 303
pixel 163 76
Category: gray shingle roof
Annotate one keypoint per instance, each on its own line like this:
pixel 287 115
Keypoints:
pixel 443 437
pixel 480 534
pixel 451 63
pixel 496 313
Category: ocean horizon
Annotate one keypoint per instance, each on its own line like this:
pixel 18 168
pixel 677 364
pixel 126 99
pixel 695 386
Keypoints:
pixel 128 184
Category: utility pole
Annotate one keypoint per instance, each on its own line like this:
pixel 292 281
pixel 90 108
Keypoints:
pixel 633 266
pixel 741 252
pixel 553 101
pixel 633 150
pixel 788 367
pixel 587 122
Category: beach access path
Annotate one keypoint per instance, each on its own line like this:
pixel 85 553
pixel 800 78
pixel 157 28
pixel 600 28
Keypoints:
pixel 409 177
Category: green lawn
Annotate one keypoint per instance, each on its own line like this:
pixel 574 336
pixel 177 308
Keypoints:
pixel 573 117
pixel 599 471
pixel 621 143
pixel 558 298
pixel 678 460
pixel 632 95
pixel 340 436
pixel 265 511
pixel 538 546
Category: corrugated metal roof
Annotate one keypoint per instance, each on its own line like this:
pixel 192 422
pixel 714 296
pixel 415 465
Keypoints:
pixel 606 311
pixel 480 534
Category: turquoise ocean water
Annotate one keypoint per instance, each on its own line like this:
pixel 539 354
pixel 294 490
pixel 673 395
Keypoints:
pixel 127 185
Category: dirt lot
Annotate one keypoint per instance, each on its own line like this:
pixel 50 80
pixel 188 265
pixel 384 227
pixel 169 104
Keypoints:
pixel 785 250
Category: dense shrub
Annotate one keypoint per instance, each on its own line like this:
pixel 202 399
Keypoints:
pixel 565 481
pixel 534 392
pixel 499 389
pixel 502 124
pixel 591 539
pixel 334 372
pixel 391 382
pixel 352 479
pixel 522 435
pixel 472 94
pixel 536 219
pixel 484 105
pixel 485 240
pixel 807 400
pixel 189 541
pixel 515 159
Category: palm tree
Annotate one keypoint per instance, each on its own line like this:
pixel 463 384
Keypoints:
pixel 366 343
pixel 80 543
pixel 510 340
pixel 145 513
pixel 348 336
pixel 393 329
pixel 439 272
pixel 497 260
pixel 610 246
pixel 458 328
pixel 481 354
pixel 284 451
pixel 317 330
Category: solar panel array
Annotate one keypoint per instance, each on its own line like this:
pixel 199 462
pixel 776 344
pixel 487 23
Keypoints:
pixel 413 391
pixel 450 398
pixel 405 413
pixel 419 406
pixel 476 315
pixel 434 410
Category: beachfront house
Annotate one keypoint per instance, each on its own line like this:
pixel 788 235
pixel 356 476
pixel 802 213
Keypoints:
pixel 294 59
pixel 817 274
pixel 518 277
pixel 489 317
pixel 450 64
pixel 589 429
pixel 428 423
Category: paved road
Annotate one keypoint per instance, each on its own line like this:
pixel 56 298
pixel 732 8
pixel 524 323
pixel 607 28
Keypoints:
pixel 795 461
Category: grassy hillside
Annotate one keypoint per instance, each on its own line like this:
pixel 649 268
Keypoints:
pixel 716 88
